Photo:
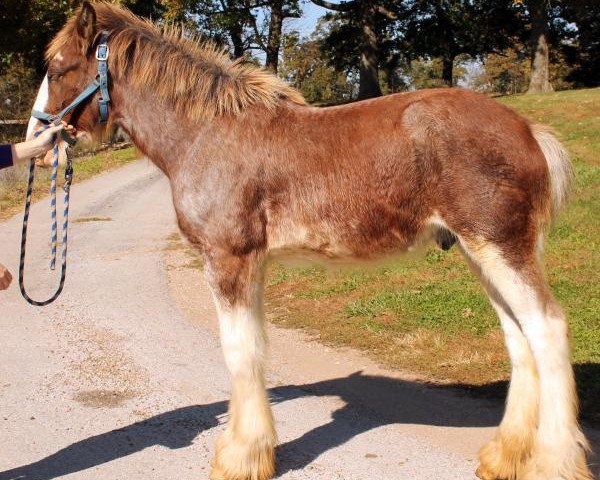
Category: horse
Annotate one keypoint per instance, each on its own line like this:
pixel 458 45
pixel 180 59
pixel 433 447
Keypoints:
pixel 255 173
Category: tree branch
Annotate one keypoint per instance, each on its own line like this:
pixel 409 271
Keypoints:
pixel 246 8
pixel 386 12
pixel 338 7
pixel 257 34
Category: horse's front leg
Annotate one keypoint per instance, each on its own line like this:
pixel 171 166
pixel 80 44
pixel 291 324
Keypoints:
pixel 246 450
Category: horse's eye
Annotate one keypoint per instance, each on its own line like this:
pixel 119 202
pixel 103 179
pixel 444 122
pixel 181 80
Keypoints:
pixel 52 77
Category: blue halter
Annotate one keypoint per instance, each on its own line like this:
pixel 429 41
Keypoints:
pixel 99 83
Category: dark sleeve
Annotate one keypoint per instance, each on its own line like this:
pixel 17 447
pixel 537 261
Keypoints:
pixel 6 159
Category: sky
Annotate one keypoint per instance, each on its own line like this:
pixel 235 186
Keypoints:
pixel 310 15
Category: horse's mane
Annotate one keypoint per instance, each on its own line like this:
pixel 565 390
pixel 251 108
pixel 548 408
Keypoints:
pixel 198 79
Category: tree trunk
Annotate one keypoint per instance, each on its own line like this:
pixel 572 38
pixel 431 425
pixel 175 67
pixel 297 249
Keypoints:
pixel 539 81
pixel 366 12
pixel 274 40
pixel 235 29
pixel 236 39
pixel 369 55
pixel 447 70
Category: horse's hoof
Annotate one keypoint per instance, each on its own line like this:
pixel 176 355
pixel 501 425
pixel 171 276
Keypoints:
pixel 485 474
pixel 241 461
pixel 503 459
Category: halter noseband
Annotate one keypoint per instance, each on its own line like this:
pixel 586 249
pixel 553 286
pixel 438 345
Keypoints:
pixel 99 83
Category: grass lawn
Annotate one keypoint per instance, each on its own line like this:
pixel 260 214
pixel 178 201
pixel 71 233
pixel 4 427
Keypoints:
pixel 429 314
pixel 13 182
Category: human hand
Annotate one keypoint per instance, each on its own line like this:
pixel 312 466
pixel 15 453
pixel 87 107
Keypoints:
pixel 47 137
pixel 41 144
pixel 5 277
pixel 48 159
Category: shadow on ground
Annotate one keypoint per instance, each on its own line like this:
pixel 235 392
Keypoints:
pixel 371 402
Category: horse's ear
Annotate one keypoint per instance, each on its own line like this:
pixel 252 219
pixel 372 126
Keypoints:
pixel 86 22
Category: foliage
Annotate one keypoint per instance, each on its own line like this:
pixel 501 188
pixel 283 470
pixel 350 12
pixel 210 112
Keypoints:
pixel 155 9
pixel 581 18
pixel 505 73
pixel 18 86
pixel 305 67
pixel 363 39
pixel 27 27
pixel 427 72
pixel 447 29
pixel 245 25
pixel 416 42
pixel 508 72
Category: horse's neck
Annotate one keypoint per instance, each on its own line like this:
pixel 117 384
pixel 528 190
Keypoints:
pixel 158 132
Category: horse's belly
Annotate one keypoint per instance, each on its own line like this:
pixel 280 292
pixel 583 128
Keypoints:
pixel 346 241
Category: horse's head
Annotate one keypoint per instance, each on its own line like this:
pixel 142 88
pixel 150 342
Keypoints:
pixel 72 66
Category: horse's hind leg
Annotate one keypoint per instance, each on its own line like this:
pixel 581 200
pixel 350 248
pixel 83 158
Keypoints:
pixel 511 447
pixel 542 394
pixel 246 450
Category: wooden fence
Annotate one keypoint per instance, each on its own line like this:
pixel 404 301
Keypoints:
pixel 14 122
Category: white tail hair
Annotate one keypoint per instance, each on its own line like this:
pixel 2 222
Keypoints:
pixel 560 168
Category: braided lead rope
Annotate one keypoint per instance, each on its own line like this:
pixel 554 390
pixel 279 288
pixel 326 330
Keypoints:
pixel 66 188
pixel 54 233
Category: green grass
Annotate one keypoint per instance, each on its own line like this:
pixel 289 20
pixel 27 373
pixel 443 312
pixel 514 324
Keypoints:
pixel 429 315
pixel 13 182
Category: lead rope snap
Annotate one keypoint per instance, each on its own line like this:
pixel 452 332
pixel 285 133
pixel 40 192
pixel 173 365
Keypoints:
pixel 54 238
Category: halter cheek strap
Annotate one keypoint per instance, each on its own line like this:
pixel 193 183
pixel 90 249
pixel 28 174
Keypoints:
pixel 100 83
pixel 102 53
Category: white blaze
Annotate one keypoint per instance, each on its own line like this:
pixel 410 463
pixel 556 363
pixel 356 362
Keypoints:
pixel 40 104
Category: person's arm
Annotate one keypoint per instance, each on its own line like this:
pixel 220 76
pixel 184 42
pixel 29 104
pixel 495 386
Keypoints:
pixel 13 154
pixel 6 156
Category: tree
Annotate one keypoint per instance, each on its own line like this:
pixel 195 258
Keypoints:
pixel 279 11
pixel 225 21
pixel 306 67
pixel 27 27
pixel 538 45
pixel 426 73
pixel 247 25
pixel 449 28
pixel 505 73
pixel 170 10
pixel 365 22
pixel 582 50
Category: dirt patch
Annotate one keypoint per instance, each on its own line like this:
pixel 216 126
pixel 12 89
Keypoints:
pixel 101 373
pixel 103 398
pixel 93 219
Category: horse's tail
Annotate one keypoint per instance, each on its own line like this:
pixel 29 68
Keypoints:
pixel 560 168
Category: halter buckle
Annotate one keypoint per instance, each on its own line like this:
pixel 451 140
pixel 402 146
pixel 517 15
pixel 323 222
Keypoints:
pixel 102 52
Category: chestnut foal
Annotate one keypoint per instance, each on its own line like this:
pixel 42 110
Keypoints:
pixel 255 171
